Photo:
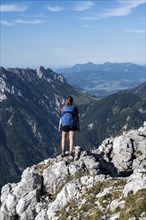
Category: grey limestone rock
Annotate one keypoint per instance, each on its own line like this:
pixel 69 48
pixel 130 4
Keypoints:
pixel 89 180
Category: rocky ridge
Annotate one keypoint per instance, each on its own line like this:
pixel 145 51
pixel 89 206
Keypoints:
pixel 107 183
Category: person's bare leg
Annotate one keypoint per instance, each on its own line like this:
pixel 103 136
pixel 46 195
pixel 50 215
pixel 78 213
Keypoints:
pixel 71 141
pixel 63 141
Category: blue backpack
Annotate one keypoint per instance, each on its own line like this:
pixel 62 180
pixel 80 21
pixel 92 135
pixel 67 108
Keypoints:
pixel 68 116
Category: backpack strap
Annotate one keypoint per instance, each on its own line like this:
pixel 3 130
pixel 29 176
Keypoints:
pixel 74 111
pixel 67 109
pixel 70 112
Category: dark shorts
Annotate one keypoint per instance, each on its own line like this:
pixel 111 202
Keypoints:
pixel 69 128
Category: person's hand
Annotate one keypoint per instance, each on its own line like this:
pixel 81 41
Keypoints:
pixel 59 126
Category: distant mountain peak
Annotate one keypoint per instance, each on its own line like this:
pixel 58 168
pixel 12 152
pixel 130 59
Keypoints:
pixel 2 68
pixel 41 68
pixel 90 63
pixel 40 71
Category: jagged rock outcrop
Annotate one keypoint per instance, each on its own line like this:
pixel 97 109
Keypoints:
pixel 107 183
pixel 125 153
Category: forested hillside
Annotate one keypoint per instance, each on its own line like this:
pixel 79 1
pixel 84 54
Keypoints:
pixel 112 115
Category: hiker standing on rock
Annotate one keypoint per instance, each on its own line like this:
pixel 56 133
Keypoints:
pixel 68 124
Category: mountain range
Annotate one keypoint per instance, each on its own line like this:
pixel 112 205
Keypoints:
pixel 104 79
pixel 30 100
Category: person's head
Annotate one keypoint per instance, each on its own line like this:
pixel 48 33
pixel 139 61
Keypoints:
pixel 69 100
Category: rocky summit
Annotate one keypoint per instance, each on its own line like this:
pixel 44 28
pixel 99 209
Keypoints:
pixel 106 183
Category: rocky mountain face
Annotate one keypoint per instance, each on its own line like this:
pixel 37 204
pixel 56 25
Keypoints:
pixel 29 105
pixel 107 183
pixel 104 79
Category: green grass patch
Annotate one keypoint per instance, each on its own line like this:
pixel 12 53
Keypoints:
pixel 135 205
pixel 94 216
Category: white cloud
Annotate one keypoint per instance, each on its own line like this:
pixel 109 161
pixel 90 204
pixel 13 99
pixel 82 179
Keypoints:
pixel 41 15
pixel 55 8
pixel 12 8
pixel 6 23
pixel 83 6
pixel 124 8
pixel 86 26
pixel 134 3
pixel 136 31
pixel 37 21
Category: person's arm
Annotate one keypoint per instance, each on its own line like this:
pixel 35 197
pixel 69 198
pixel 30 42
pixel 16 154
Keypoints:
pixel 60 124
pixel 59 127
pixel 78 121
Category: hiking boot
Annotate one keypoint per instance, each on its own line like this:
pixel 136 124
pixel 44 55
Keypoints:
pixel 71 154
pixel 63 154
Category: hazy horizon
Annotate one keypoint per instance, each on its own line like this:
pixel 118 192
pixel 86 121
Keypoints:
pixel 65 66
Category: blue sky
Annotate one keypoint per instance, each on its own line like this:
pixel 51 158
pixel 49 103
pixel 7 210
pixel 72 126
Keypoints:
pixel 64 33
